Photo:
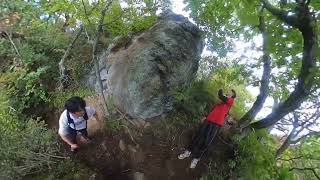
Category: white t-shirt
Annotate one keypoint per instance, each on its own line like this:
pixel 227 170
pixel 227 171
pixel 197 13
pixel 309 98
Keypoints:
pixel 80 122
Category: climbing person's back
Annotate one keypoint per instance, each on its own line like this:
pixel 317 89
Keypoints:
pixel 209 128
pixel 219 111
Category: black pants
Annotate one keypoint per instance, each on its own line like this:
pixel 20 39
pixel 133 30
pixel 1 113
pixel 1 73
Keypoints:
pixel 202 140
pixel 72 134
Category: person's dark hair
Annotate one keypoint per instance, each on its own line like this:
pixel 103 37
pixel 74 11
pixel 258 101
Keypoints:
pixel 234 93
pixel 75 104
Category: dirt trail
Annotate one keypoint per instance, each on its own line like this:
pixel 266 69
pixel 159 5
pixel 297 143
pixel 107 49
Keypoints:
pixel 117 157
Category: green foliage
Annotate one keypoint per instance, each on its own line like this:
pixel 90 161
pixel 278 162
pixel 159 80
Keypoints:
pixel 284 44
pixel 48 40
pixel 202 95
pixel 113 125
pixel 248 15
pixel 305 155
pixel 34 70
pixel 134 19
pixel 25 88
pixel 27 150
pixel 230 21
pixel 255 158
pixel 172 126
pixel 223 20
pixel 232 164
pixel 8 116
pixel 119 20
pixel 315 4
pixel 67 169
pixel 26 146
pixel 47 26
pixel 212 177
pixel 196 100
pixel 5 63
pixel 59 98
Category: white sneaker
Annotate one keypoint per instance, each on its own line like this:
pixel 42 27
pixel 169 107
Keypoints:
pixel 184 155
pixel 194 163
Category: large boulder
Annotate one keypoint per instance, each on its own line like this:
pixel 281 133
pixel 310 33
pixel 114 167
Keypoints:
pixel 141 75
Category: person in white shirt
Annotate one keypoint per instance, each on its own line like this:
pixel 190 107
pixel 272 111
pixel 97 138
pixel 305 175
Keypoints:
pixel 73 121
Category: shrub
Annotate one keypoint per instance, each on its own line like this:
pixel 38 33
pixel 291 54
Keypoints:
pixel 58 98
pixel 202 95
pixel 255 159
pixel 26 146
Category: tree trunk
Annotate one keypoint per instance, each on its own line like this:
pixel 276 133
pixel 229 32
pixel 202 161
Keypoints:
pixel 265 79
pixel 62 68
pixel 306 24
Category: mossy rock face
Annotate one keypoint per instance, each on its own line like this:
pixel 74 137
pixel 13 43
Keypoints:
pixel 163 58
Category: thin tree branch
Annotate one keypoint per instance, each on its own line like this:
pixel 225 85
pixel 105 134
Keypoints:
pixel 50 155
pixel 295 120
pixel 305 136
pixel 94 53
pixel 286 143
pixel 265 79
pixel 290 159
pixel 131 137
pixel 86 32
pixel 310 129
pixel 85 12
pixel 12 43
pixel 308 169
pixel 62 68
pixel 306 79
pixel 281 14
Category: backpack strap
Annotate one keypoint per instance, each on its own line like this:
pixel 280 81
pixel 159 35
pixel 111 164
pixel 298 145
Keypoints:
pixel 70 120
pixel 85 117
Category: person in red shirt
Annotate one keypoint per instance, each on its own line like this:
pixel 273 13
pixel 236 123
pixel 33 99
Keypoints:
pixel 209 128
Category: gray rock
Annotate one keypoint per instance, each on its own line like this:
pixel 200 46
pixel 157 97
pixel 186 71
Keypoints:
pixel 104 74
pixel 142 75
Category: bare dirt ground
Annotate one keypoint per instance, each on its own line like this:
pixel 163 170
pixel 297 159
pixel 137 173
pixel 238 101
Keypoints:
pixel 116 156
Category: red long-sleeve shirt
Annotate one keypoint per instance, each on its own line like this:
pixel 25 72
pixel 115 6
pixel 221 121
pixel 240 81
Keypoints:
pixel 219 111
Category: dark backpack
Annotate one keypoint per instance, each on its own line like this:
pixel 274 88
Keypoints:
pixel 70 120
